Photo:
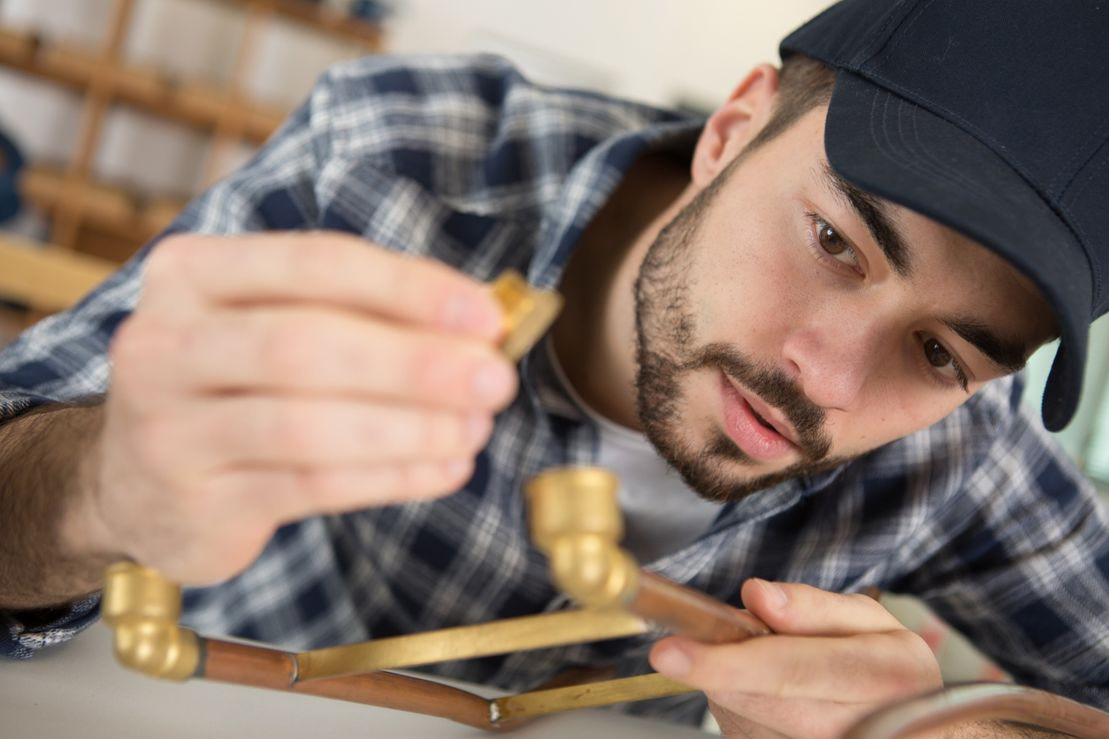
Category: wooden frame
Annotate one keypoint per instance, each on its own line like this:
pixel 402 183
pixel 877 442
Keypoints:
pixel 108 221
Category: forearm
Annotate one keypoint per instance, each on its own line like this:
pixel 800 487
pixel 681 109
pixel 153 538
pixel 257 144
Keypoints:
pixel 46 483
pixel 998 730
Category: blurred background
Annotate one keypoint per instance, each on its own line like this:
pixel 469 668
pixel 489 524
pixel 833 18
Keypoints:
pixel 114 112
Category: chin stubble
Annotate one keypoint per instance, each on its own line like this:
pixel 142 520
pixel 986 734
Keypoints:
pixel 665 353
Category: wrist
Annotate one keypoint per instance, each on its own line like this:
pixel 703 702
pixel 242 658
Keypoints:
pixel 84 533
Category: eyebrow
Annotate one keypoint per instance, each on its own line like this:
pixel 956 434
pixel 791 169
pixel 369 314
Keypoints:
pixel 1008 354
pixel 873 213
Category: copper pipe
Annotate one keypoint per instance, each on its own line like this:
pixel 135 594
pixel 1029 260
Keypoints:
pixel 262 667
pixel 977 702
pixel 691 613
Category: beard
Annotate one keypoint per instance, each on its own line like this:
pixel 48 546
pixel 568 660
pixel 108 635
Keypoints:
pixel 666 353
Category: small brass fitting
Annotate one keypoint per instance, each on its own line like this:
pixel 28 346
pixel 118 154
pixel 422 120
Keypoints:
pixel 528 312
pixel 142 607
pixel 575 520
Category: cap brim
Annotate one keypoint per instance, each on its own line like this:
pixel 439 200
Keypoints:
pixel 900 151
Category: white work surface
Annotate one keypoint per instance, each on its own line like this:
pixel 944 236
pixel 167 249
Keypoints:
pixel 78 690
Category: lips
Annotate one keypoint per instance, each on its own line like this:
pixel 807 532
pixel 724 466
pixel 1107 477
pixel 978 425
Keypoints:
pixel 750 423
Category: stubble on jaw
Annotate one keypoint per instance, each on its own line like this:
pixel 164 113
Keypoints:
pixel 666 331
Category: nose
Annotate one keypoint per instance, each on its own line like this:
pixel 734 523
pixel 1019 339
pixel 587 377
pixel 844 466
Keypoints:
pixel 833 356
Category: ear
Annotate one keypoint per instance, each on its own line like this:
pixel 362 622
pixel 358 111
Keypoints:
pixel 735 123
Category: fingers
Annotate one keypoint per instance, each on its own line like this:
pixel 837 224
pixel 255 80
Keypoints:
pixel 319 351
pixel 868 667
pixel 316 267
pixel 268 377
pixel 795 608
pixel 252 430
pixel 293 493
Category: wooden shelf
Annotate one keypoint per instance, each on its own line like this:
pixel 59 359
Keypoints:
pixel 45 278
pixel 113 209
pixel 94 217
pixel 144 87
pixel 327 20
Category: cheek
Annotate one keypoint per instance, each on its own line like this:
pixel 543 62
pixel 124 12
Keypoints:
pixel 895 409
pixel 748 289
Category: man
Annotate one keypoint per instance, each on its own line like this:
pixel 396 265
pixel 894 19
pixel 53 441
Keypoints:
pixel 810 304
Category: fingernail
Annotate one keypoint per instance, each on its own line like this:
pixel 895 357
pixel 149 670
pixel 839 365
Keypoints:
pixel 491 381
pixel 672 662
pixel 775 596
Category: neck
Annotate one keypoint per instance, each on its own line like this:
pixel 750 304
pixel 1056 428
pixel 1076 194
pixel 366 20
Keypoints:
pixel 594 337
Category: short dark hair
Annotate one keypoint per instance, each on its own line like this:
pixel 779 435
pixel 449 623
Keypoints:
pixel 804 83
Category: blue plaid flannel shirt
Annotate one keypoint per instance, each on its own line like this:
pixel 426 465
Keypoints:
pixel 464 160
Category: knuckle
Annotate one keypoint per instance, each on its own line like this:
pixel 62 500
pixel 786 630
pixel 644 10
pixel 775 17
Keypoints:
pixel 442 431
pixel 172 259
pixel 136 341
pixel 861 600
pixel 313 258
pixel 297 431
pixel 927 672
pixel 288 347
pixel 428 365
pixel 323 487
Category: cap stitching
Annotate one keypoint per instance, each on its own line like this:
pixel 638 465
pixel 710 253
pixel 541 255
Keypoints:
pixel 889 29
pixel 1100 131
pixel 992 144
pixel 913 163
pixel 892 153
pixel 910 18
pixel 1083 183
pixel 1080 187
pixel 934 165
pixel 938 167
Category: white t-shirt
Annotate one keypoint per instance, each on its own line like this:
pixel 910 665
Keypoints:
pixel 661 513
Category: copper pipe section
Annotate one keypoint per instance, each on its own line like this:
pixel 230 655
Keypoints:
pixel 977 702
pixel 261 667
pixel 691 613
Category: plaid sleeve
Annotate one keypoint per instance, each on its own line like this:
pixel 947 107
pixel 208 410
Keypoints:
pixel 1025 576
pixel 64 357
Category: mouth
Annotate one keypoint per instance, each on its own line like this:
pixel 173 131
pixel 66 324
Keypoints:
pixel 754 426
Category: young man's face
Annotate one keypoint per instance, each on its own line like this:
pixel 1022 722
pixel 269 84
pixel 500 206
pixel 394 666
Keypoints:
pixel 780 333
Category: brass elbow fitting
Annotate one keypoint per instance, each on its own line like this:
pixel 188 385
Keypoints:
pixel 142 608
pixel 575 520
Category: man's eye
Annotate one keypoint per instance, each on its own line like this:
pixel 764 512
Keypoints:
pixel 832 244
pixel 939 357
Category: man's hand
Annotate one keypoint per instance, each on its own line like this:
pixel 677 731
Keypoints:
pixel 832 659
pixel 270 377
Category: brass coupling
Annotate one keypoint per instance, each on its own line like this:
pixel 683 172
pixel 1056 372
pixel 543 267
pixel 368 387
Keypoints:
pixel 142 608
pixel 575 520
pixel 528 313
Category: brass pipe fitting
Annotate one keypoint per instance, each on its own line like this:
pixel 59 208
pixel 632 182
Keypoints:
pixel 528 313
pixel 142 607
pixel 575 520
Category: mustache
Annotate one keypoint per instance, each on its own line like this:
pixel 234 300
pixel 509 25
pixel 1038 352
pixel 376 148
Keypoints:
pixel 776 388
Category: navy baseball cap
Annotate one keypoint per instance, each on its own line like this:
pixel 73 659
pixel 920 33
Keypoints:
pixel 991 117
